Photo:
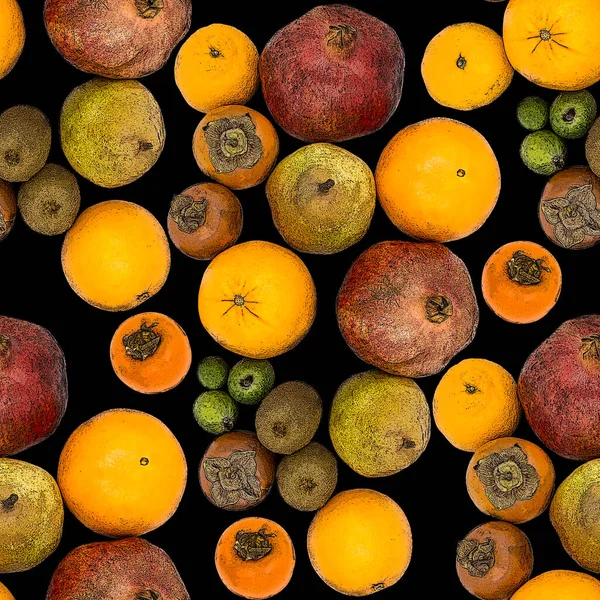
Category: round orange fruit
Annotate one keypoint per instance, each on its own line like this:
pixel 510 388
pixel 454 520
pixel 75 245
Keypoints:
pixel 438 180
pixel 360 542
pixel 560 585
pixel 122 473
pixel 12 35
pixel 5 593
pixel 257 299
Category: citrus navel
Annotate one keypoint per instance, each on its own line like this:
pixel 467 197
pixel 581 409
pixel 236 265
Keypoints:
pixel 560 585
pixel 122 473
pixel 217 65
pixel 438 180
pixel 116 255
pixel 465 66
pixel 12 35
pixel 476 402
pixel 257 299
pixel 5 593
pixel 360 542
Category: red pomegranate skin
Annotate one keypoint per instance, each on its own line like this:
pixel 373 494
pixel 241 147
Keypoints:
pixel 33 385
pixel 559 388
pixel 119 39
pixel 407 307
pixel 334 74
pixel 127 569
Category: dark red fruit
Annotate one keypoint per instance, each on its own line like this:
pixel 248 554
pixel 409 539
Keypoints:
pixel 33 385
pixel 129 569
pixel 407 307
pixel 334 74
pixel 559 388
pixel 120 39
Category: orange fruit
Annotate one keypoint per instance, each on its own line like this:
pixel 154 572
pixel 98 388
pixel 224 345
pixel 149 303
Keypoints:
pixel 122 473
pixel 216 66
pixel 5 594
pixel 476 402
pixel 236 146
pixel 521 282
pixel 116 255
pixel 560 585
pixel 554 44
pixel 12 35
pixel 255 558
pixel 438 180
pixel 465 66
pixel 150 353
pixel 511 479
pixel 360 542
pixel 257 299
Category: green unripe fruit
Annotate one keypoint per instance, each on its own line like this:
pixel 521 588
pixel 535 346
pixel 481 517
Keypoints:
pixel 543 152
pixel 212 372
pixel 532 113
pixel 572 114
pixel 215 412
pixel 250 380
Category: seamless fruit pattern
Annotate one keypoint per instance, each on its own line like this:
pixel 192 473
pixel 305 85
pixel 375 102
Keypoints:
pixel 406 308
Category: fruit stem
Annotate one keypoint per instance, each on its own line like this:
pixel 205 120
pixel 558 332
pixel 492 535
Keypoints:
pixel 470 389
pixel 10 502
pixel 461 63
pixel 341 37
pixel 438 309
pixel 525 270
pixel 143 343
pixel 144 146
pixel 12 157
pixel 323 188
pixel 227 423
pixel 246 382
pixel 148 9
pixel 148 595
pixel 5 345
pixel 569 116
pixel 253 545
pixel 590 347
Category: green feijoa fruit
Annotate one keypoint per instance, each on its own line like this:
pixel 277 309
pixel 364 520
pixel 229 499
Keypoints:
pixel 572 114
pixel 532 113
pixel 212 372
pixel 250 380
pixel 215 411
pixel 543 152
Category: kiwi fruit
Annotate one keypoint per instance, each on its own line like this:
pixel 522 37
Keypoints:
pixel 25 138
pixel 306 479
pixel 288 417
pixel 592 147
pixel 49 201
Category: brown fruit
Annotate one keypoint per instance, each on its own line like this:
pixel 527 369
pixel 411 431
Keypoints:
pixel 204 220
pixel 237 471
pixel 8 208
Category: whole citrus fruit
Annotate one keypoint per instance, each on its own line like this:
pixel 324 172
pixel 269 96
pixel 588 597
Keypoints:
pixel 554 44
pixel 217 65
pixel 560 585
pixel 476 402
pixel 12 35
pixel 122 473
pixel 116 255
pixel 360 542
pixel 257 299
pixel 465 66
pixel 5 593
pixel 438 180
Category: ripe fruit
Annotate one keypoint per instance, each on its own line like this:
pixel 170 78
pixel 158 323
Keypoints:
pixel 521 282
pixel 126 41
pixel 454 181
pixel 560 585
pixel 288 418
pixel 569 209
pixel 5 593
pixel 8 208
pixel 255 558
pixel 33 385
pixel 532 113
pixel 49 202
pixel 237 471
pixel 250 380
pixel 12 35
pixel 212 372
pixel 257 299
pixel 465 66
pixel 129 568
pixel 510 479
pixel 334 74
pixel 407 308
pixel 215 412
pixel 360 542
pixel 572 114
pixel 122 473
pixel 554 45
pixel 494 560
pixel 476 402
pixel 116 255
pixel 559 388
pixel 217 66
pixel 322 198
pixel 112 132
pixel 543 152
pixel 204 220
pixel 25 138
pixel 31 515
pixel 379 424
pixel 592 147
pixel 150 353
pixel 235 146
pixel 307 478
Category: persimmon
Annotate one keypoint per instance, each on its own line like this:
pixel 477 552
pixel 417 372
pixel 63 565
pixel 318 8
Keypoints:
pixel 521 282
pixel 511 479
pixel 255 558
pixel 12 35
pixel 5 593
pixel 150 353
pixel 8 208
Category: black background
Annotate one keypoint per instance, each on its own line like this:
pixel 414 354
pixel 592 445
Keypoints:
pixel 432 492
